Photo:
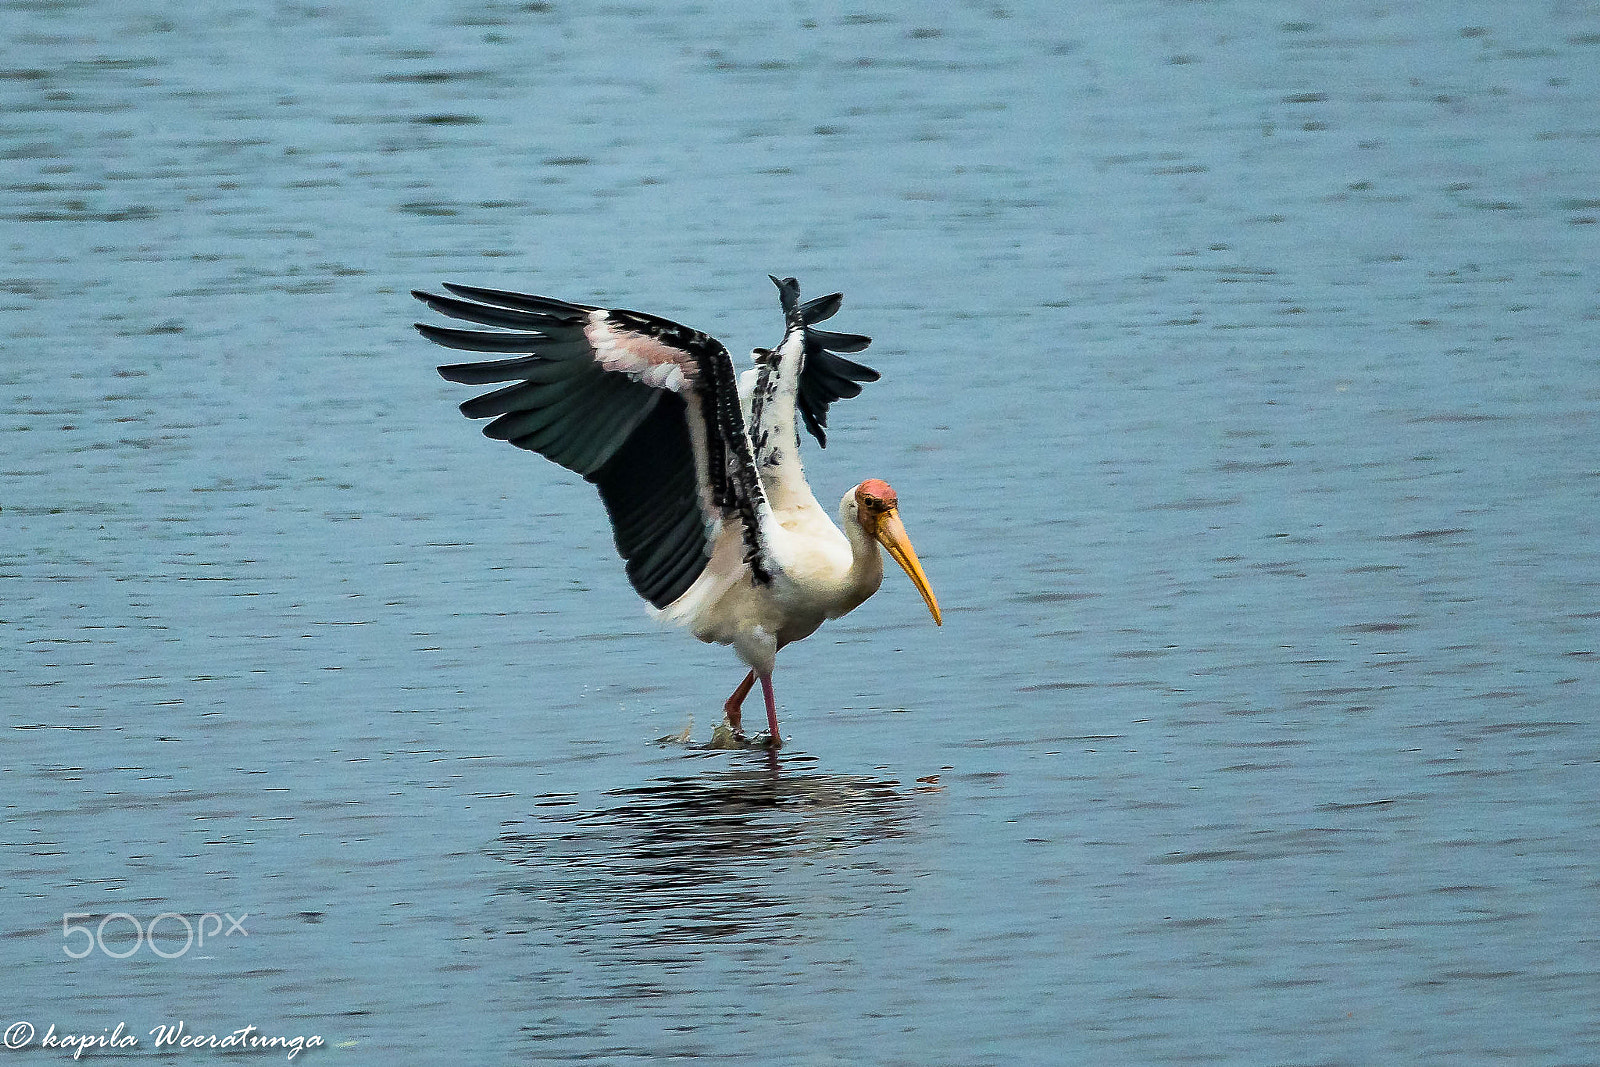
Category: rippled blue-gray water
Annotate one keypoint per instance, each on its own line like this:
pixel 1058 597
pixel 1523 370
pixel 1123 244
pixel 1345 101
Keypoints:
pixel 1240 388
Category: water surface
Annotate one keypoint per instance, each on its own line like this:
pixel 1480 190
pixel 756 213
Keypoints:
pixel 1239 388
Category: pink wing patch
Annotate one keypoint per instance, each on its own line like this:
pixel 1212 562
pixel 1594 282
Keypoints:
pixel 639 356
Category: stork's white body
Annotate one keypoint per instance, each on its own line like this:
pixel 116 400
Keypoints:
pixel 823 574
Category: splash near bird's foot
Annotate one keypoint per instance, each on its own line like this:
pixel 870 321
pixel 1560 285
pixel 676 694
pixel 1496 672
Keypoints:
pixel 724 736
pixel 682 737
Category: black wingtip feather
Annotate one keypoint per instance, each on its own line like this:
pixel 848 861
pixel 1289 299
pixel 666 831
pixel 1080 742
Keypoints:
pixel 837 342
pixel 827 377
pixel 545 323
pixel 565 312
pixel 821 308
pixel 481 340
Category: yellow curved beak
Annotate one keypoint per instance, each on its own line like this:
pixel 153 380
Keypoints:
pixel 891 535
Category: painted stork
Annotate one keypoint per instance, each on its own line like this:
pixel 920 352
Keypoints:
pixel 699 471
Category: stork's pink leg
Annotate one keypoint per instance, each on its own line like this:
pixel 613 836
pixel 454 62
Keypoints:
pixel 772 710
pixel 735 705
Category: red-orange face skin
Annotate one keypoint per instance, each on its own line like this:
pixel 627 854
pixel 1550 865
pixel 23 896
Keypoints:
pixel 874 500
pixel 877 510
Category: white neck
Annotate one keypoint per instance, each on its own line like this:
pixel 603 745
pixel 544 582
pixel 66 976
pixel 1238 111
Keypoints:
pixel 866 561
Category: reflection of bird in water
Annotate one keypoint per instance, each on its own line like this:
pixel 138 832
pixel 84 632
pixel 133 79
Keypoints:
pixel 699 472
pixel 692 859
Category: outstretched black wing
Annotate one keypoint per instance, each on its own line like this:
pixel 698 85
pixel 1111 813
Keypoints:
pixel 825 376
pixel 645 409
